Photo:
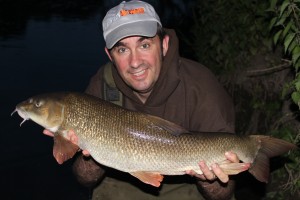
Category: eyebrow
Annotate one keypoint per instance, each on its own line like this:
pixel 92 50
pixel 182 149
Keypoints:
pixel 142 38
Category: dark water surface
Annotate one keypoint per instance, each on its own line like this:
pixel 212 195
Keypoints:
pixel 48 45
pixel 41 53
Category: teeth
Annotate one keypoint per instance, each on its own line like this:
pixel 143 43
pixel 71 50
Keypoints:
pixel 139 73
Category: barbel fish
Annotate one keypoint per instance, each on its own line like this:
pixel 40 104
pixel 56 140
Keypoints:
pixel 143 145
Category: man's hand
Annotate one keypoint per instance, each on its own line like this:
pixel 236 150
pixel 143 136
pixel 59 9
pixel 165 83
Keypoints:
pixel 87 171
pixel 216 171
pixel 49 133
pixel 71 136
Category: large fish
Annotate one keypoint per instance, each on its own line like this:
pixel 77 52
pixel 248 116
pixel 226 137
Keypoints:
pixel 145 146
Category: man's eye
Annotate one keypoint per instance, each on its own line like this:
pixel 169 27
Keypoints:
pixel 121 50
pixel 145 46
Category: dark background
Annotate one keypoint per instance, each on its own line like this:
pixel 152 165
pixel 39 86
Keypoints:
pixel 49 45
pixel 44 46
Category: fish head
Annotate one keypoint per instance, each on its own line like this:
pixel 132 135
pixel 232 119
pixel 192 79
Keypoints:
pixel 45 110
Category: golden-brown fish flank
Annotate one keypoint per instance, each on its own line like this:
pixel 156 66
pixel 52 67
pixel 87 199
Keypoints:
pixel 145 146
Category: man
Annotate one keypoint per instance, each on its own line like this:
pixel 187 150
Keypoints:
pixel 148 75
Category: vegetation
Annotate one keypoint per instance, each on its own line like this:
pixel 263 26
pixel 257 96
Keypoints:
pixel 227 32
pixel 254 47
pixel 286 26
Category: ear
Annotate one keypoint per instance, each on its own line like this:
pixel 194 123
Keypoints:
pixel 108 54
pixel 165 44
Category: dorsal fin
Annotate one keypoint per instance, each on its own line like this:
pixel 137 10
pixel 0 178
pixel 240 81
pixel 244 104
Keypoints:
pixel 171 127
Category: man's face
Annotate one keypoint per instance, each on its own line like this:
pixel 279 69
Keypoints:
pixel 139 61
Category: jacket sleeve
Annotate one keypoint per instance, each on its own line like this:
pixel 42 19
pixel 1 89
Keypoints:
pixel 210 108
pixel 215 113
pixel 86 170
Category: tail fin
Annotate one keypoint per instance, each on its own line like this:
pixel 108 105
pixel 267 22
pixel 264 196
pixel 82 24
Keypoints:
pixel 269 147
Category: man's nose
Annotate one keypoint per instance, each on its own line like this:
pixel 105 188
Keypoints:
pixel 135 59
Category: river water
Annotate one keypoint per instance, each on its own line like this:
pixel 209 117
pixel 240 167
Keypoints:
pixel 52 55
pixel 45 47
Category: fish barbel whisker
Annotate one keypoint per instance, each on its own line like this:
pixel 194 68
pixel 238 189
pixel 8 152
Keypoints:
pixel 23 121
pixel 13 112
pixel 21 114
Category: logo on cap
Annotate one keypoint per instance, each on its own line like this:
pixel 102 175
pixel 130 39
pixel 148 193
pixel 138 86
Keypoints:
pixel 132 11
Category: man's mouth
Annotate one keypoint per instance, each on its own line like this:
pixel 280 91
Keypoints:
pixel 139 73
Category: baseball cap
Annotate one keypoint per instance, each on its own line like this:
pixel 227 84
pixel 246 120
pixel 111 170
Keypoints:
pixel 128 19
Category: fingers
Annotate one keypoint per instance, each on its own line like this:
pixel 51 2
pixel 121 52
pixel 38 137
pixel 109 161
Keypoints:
pixel 71 136
pixel 193 173
pixel 47 132
pixel 85 152
pixel 232 157
pixel 207 173
pixel 214 172
pixel 74 139
pixel 219 173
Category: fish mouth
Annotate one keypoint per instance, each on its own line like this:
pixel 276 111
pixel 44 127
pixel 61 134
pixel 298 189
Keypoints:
pixel 22 114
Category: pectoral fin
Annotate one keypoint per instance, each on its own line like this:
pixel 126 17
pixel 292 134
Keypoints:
pixel 151 178
pixel 230 168
pixel 63 149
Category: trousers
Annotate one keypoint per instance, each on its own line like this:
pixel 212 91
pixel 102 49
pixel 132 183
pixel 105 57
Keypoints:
pixel 114 189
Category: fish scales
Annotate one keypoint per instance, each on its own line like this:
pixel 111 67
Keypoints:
pixel 150 147
pixel 135 142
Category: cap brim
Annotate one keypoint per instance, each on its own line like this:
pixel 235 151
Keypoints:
pixel 141 28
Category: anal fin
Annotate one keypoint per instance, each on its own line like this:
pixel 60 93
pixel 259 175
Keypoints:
pixel 230 168
pixel 260 168
pixel 151 178
pixel 63 149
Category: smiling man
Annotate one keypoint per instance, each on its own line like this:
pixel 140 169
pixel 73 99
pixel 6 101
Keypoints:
pixel 146 73
pixel 138 60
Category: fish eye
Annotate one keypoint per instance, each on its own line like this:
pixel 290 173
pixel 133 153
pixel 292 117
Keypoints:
pixel 38 104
